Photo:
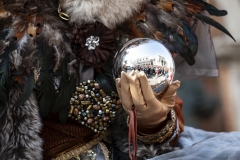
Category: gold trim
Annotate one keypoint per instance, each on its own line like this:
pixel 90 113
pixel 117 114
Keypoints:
pixel 105 150
pixel 75 152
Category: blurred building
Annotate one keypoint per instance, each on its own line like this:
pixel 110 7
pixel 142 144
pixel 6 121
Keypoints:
pixel 213 103
pixel 228 54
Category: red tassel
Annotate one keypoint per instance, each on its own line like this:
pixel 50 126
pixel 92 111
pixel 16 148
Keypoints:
pixel 132 133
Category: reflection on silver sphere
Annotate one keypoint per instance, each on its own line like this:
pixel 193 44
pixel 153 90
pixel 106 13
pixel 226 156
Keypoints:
pixel 146 55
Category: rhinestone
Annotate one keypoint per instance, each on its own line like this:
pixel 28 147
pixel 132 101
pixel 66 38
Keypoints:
pixel 92 42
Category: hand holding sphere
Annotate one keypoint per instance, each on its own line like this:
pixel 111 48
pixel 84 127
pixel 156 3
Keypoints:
pixel 151 92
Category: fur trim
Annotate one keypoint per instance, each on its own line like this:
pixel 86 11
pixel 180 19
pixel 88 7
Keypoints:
pixel 108 12
pixel 20 128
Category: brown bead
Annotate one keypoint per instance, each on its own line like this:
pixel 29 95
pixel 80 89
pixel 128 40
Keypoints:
pixel 105 119
pixel 81 97
pixel 118 102
pixel 90 121
pixel 114 101
pixel 75 112
pixel 96 86
pixel 96 107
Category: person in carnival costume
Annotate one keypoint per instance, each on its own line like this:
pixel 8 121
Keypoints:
pixel 58 98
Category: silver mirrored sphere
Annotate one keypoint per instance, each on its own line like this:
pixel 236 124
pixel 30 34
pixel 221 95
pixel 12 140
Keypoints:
pixel 149 56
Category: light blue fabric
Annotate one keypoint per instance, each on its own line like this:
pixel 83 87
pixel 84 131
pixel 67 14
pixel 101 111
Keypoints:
pixel 197 144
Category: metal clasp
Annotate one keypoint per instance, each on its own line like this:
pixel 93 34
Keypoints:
pixel 62 15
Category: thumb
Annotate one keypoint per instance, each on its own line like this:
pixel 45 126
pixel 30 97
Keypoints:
pixel 169 96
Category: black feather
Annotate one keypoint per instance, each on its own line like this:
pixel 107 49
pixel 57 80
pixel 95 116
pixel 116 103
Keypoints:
pixel 46 93
pixel 4 27
pixel 213 23
pixel 63 98
pixel 105 77
pixel 191 37
pixel 4 79
pixel 66 88
pixel 213 10
pixel 27 90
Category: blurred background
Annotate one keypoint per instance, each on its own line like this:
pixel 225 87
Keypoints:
pixel 213 103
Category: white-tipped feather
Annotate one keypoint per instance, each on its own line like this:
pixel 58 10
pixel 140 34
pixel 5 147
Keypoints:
pixel 108 12
pixel 16 58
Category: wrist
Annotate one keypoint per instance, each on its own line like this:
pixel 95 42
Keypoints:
pixel 152 129
pixel 166 134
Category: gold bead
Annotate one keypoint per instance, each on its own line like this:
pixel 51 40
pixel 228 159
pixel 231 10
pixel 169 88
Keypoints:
pixel 71 108
pixel 102 93
pixel 91 85
pixel 92 94
pixel 76 102
pixel 78 89
pixel 84 83
pixel 89 107
pixel 85 102
pixel 107 103
pixel 107 111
